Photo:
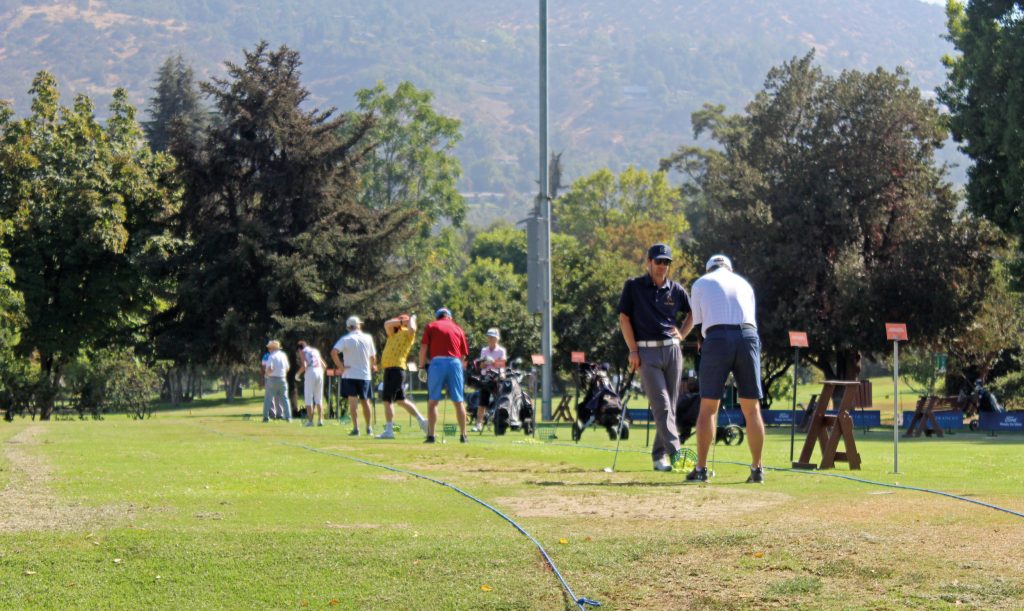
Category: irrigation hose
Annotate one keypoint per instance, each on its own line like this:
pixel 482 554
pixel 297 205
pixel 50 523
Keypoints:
pixel 580 601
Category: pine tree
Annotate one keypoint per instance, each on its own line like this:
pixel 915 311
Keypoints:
pixel 176 110
pixel 280 246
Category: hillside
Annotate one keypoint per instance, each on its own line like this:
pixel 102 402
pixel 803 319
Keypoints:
pixel 624 74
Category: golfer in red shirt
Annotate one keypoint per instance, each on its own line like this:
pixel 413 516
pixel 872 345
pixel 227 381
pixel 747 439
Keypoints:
pixel 445 343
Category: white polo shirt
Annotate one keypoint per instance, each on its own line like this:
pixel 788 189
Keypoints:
pixel 277 364
pixel 722 297
pixel 355 349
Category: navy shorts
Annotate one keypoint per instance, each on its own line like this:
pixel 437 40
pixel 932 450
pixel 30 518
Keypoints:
pixel 355 388
pixel 730 350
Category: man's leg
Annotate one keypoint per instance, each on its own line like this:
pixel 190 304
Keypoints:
pixel 706 429
pixel 460 415
pixel 268 402
pixel 389 412
pixel 653 372
pixel 755 429
pixel 366 414
pixel 353 404
pixel 411 408
pixel 285 402
pixel 431 417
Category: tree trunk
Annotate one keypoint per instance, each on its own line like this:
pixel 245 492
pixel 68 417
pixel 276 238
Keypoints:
pixel 46 394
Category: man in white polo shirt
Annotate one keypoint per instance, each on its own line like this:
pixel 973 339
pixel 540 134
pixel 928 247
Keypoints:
pixel 355 355
pixel 723 304
pixel 275 368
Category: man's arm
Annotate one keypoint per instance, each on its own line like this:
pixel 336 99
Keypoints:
pixel 423 356
pixel 373 363
pixel 337 360
pixel 392 326
pixel 687 326
pixel 627 334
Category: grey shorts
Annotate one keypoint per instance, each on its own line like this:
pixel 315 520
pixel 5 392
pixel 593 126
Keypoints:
pixel 730 350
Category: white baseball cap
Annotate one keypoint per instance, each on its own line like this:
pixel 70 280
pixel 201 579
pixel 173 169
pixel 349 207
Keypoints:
pixel 493 332
pixel 353 322
pixel 718 261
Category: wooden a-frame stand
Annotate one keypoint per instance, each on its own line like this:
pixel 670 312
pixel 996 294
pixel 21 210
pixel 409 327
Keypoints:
pixel 828 429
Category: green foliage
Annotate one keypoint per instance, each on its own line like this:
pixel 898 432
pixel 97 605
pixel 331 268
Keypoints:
pixel 996 327
pixel 1009 390
pixel 488 294
pixel 280 244
pixel 89 206
pixel 826 196
pixel 624 214
pixel 175 110
pixel 985 95
pixel 113 380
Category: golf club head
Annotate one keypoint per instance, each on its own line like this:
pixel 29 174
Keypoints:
pixel 609 470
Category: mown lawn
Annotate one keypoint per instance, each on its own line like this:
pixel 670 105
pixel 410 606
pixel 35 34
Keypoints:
pixel 213 509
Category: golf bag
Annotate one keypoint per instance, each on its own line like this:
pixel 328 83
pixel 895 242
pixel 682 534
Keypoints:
pixel 602 403
pixel 688 409
pixel 510 406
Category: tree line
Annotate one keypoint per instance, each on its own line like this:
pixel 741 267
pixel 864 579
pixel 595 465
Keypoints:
pixel 240 212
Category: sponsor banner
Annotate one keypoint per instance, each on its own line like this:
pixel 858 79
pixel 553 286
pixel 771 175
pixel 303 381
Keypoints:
pixel 1009 421
pixel 948 420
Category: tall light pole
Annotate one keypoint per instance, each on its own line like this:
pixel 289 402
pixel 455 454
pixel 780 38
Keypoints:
pixel 544 212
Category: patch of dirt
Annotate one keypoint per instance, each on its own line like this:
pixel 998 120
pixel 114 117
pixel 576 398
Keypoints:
pixel 351 526
pixel 27 503
pixel 692 502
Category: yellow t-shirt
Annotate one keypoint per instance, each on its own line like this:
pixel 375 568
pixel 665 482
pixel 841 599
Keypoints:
pixel 396 350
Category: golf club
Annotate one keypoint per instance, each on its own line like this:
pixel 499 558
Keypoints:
pixel 622 419
pixel 444 419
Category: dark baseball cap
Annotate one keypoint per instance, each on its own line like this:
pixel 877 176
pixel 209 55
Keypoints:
pixel 659 251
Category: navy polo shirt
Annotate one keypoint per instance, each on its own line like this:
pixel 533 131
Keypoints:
pixel 653 310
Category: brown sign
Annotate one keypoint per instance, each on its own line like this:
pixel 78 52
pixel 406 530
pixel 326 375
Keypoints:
pixel 578 357
pixel 797 339
pixel 537 359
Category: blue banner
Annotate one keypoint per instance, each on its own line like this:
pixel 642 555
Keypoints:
pixel 948 420
pixel 1009 421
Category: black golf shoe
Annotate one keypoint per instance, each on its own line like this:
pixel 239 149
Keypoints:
pixel 756 476
pixel 462 439
pixel 699 474
pixel 429 439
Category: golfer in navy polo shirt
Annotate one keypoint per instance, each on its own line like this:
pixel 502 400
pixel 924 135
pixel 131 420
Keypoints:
pixel 649 309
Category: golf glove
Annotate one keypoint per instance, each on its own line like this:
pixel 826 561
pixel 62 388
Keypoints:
pixel 422 375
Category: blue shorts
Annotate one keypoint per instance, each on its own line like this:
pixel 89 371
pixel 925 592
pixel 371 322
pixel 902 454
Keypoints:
pixel 445 371
pixel 355 388
pixel 730 350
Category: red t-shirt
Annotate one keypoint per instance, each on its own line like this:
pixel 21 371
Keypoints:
pixel 445 338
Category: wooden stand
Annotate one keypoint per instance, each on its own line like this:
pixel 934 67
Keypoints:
pixel 827 429
pixel 924 420
pixel 562 412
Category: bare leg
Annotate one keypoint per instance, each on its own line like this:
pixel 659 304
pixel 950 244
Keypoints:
pixel 431 417
pixel 460 414
pixel 480 417
pixel 353 401
pixel 389 412
pixel 366 411
pixel 755 429
pixel 411 408
pixel 706 429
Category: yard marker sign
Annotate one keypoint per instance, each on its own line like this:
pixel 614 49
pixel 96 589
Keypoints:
pixel 896 332
pixel 797 340
pixel 578 357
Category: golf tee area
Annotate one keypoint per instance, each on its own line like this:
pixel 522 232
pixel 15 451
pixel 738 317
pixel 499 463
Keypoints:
pixel 209 508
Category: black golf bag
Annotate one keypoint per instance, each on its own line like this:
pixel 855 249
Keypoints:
pixel 688 409
pixel 510 406
pixel 602 403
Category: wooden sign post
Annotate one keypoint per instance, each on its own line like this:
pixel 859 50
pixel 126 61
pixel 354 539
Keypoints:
pixel 827 430
pixel 798 340
pixel 896 332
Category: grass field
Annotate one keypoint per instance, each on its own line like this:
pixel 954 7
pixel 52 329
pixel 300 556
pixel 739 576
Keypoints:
pixel 213 509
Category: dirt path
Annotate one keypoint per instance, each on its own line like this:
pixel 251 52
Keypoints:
pixel 28 503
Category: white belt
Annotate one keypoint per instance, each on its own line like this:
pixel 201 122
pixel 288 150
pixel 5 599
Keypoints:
pixel 658 343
